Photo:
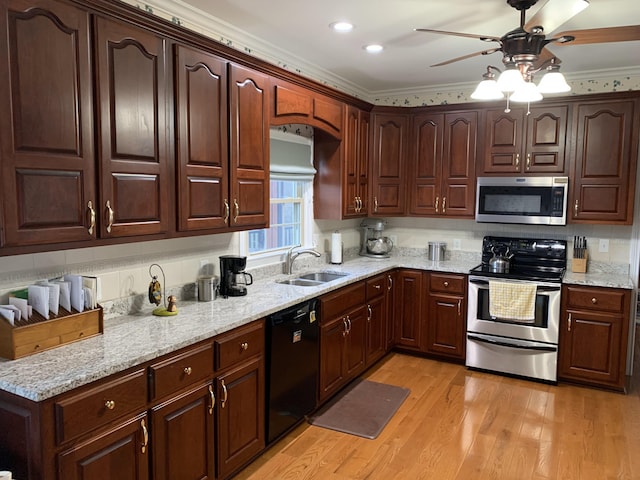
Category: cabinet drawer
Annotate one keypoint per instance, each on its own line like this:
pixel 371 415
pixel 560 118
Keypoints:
pixel 602 299
pixel 239 344
pixel 376 286
pixel 181 371
pixel 447 283
pixel 97 406
pixel 338 302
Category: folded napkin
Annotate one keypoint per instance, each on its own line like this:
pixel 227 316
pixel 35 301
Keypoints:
pixel 512 301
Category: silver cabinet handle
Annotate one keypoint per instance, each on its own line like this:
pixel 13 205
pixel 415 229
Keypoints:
pixel 390 279
pixel 92 217
pixel 344 324
pixel 349 324
pixel 575 208
pixel 369 313
pixel 110 216
pixel 213 400
pixel 569 323
pixel 459 301
pixel 437 202
pixel 528 161
pixel 226 394
pixel 444 204
pixel 517 161
pixel 375 204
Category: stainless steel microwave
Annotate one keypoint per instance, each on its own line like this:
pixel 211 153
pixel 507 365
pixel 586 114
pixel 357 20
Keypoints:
pixel 530 200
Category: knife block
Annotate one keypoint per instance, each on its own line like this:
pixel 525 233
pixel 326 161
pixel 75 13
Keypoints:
pixel 579 265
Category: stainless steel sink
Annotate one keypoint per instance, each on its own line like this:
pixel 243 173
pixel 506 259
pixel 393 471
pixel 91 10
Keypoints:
pixel 323 277
pixel 300 282
pixel 313 279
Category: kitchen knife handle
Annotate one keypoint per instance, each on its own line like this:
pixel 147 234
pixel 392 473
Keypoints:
pixel 92 217
pixel 226 211
pixel 110 216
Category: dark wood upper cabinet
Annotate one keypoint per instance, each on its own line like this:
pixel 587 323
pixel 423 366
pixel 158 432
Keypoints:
pixel 46 124
pixel 356 163
pixel 389 155
pixel 604 171
pixel 443 156
pixel 202 140
pixel 131 89
pixel 530 143
pixel 249 147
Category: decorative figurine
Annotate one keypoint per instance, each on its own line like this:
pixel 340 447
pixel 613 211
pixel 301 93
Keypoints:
pixel 172 304
pixel 155 295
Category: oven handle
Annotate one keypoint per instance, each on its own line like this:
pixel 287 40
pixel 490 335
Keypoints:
pixel 511 345
pixel 541 288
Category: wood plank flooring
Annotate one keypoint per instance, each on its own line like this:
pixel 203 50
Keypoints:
pixel 463 425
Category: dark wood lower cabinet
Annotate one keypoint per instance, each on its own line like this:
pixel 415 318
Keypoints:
pixel 409 293
pixel 446 329
pixel 376 329
pixel 121 452
pixel 182 436
pixel 240 416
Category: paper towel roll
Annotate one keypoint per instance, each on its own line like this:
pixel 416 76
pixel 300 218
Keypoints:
pixel 336 248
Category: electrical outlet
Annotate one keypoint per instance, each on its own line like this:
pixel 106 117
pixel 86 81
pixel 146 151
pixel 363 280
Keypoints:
pixel 603 246
pixel 457 244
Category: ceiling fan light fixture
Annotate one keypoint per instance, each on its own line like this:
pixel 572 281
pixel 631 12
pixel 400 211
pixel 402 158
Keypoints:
pixel 510 80
pixel 527 93
pixel 553 81
pixel 488 89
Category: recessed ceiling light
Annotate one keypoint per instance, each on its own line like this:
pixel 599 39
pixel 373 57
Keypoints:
pixel 341 27
pixel 374 48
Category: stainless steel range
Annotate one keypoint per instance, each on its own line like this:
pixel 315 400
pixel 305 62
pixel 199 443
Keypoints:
pixel 515 329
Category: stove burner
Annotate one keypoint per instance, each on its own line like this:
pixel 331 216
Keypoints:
pixel 533 259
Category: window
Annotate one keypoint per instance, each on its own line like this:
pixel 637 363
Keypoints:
pixel 291 188
pixel 287 218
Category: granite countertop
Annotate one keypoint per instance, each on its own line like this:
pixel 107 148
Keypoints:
pixel 130 340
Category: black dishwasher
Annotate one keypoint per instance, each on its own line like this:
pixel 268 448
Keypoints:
pixel 292 366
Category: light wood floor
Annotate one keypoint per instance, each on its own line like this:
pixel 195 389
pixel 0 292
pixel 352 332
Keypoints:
pixel 465 425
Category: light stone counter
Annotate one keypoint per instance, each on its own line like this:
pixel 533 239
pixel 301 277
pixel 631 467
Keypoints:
pixel 599 279
pixel 130 340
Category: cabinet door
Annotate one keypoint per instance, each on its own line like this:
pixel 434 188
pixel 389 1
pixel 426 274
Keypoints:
pixel 503 141
pixel 545 142
pixel 356 341
pixel 121 453
pixel 458 172
pixel 590 348
pixel 392 317
pixel 182 437
pixel 603 180
pixel 389 156
pixel 240 415
pixel 249 148
pixel 376 329
pixel 332 359
pixel 356 153
pixel 426 164
pixel 46 124
pixel 446 328
pixel 132 108
pixel 201 118
pixel 408 300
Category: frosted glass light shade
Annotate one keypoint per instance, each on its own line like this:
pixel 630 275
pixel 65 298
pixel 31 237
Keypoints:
pixel 510 80
pixel 526 93
pixel 487 90
pixel 553 82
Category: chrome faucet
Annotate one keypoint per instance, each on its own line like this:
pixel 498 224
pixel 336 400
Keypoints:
pixel 291 256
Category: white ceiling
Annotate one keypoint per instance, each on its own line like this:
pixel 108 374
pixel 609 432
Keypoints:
pixel 297 31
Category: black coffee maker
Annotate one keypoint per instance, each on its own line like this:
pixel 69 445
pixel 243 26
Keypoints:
pixel 233 278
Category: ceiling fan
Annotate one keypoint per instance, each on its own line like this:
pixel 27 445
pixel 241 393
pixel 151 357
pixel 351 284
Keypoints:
pixel 526 45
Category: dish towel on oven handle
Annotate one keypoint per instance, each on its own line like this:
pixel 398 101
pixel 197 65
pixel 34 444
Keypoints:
pixel 512 301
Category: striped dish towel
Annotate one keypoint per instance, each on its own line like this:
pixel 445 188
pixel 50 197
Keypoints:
pixel 512 301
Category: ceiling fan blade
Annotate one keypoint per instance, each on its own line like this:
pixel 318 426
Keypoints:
pixel 554 13
pixel 544 59
pixel 486 38
pixel 603 35
pixel 464 57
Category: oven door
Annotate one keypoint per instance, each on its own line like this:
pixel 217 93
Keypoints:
pixel 516 357
pixel 545 327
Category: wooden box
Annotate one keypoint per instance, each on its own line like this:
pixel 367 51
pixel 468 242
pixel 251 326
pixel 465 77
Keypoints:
pixel 579 265
pixel 40 334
